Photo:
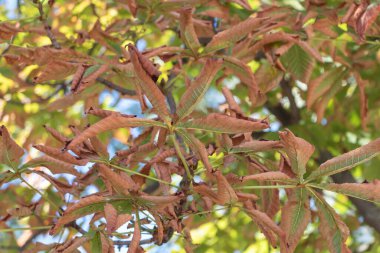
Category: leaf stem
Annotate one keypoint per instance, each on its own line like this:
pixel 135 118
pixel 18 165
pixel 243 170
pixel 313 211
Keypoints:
pixel 39 192
pixel 181 157
pixel 25 228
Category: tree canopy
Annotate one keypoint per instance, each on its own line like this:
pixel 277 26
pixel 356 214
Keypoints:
pixel 189 126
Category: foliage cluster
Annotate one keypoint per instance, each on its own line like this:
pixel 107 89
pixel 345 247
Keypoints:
pixel 164 171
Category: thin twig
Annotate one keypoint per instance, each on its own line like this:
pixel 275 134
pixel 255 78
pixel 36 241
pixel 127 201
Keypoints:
pixel 47 27
pixel 111 85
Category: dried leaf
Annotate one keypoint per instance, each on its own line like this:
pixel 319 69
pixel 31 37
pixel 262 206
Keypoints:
pixel 54 165
pixel 111 122
pixel 298 150
pixel 188 34
pixel 366 191
pixel 295 216
pixel 198 147
pixel 366 19
pixel 221 123
pixel 58 154
pixel 347 160
pixel 121 184
pixel 256 146
pixel 135 243
pixel 263 220
pixel 110 214
pixel 146 83
pixel 84 206
pixel 269 176
pixel 232 35
pixel 198 88
pixel 226 194
pixel 10 152
pixel 61 186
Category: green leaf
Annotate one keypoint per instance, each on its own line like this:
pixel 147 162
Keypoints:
pixel 347 160
pixel 295 216
pixel 96 243
pixel 332 228
pixel 298 62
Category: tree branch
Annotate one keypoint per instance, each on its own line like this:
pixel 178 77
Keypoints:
pixel 47 27
pixel 111 85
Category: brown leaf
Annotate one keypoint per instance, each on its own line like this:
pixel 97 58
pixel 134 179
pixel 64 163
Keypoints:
pixel 122 219
pixel 226 194
pixel 233 105
pixel 268 176
pixel 61 186
pixel 366 19
pixel 70 215
pixel 295 216
pixel 264 222
pixel 230 36
pixel 135 243
pixel 54 165
pixel 121 184
pixel 77 78
pixel 188 34
pixel 10 152
pixel 57 135
pixel 109 123
pixel 110 214
pixel 198 88
pixel 221 123
pixel 256 146
pixel 58 154
pixel 54 70
pixel 144 72
pixel 298 150
pixel 366 191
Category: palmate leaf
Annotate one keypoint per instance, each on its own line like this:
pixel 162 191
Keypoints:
pixel 295 216
pixel 112 122
pixel 366 191
pixel 220 123
pixel 198 88
pixel 332 228
pixel 347 160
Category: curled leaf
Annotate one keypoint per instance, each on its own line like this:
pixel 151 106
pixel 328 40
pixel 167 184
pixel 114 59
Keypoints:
pixel 298 150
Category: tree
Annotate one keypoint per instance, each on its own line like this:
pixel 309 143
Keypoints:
pixel 129 124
